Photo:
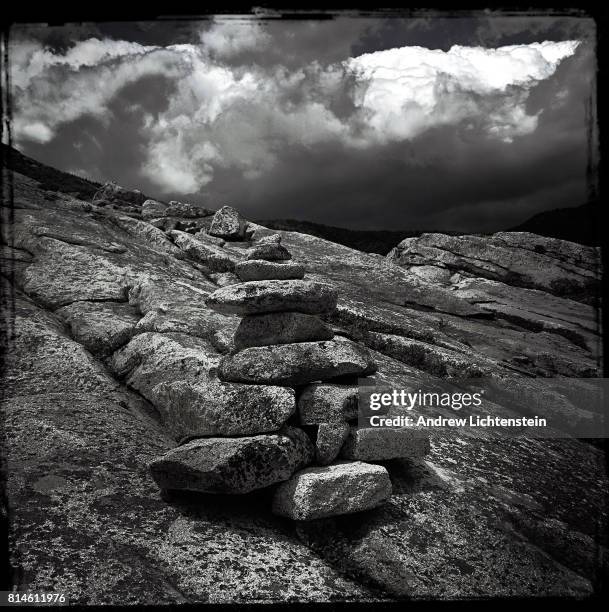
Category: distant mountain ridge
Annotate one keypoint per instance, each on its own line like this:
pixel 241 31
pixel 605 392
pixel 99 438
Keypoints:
pixel 579 224
pixel 368 241
pixel 49 178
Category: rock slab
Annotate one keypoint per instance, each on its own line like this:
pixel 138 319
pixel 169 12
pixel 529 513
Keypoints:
pixel 296 364
pixel 342 488
pixel 280 328
pixel 260 269
pixel 233 465
pixel 219 409
pixel 258 297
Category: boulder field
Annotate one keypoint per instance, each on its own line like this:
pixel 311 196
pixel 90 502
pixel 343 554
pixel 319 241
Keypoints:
pixel 180 396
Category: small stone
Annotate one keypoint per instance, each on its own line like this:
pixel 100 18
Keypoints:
pixel 272 239
pixel 259 269
pixel 152 209
pixel 342 488
pixel 296 364
pixel 115 194
pixel 258 297
pixel 233 465
pixel 330 439
pixel 228 224
pixel 280 328
pixel 223 279
pixel 328 402
pixel 268 252
pixel 203 236
pixel 219 409
pixel 380 443
pixel 181 209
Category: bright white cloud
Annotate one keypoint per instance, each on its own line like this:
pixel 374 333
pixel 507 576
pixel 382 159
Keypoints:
pixel 30 60
pixel 407 90
pixel 36 131
pixel 244 118
pixel 50 89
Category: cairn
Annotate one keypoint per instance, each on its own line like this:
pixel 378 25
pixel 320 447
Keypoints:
pixel 318 457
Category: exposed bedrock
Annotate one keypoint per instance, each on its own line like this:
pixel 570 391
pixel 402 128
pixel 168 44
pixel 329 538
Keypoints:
pixel 108 319
pixel 521 259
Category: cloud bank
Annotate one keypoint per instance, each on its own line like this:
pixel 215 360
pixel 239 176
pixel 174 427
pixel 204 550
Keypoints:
pixel 231 113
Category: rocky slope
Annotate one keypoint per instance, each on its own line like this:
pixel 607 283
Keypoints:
pixel 105 315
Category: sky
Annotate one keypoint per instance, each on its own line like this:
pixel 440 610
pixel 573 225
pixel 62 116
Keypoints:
pixel 376 122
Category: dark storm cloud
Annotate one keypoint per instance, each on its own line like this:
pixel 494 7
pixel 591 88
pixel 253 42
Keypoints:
pixel 412 186
pixel 57 39
pixel 264 117
pixel 110 148
pixel 438 32
pixel 448 178
pixel 297 43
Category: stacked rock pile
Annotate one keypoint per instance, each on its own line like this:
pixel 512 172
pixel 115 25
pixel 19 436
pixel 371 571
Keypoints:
pixel 317 456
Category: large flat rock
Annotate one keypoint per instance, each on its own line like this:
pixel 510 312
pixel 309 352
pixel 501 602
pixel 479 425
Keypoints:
pixel 341 488
pixel 210 408
pixel 257 297
pixel 233 465
pixel 297 364
pixel 522 259
pixel 533 309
